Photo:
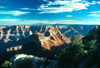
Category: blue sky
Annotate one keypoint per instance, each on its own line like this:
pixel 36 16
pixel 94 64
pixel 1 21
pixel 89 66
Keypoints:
pixel 17 12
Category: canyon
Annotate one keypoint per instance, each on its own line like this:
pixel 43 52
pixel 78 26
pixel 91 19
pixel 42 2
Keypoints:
pixel 14 36
pixel 49 43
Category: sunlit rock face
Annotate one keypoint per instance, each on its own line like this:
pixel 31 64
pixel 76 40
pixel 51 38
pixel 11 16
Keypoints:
pixel 14 48
pixel 52 37
pixel 45 42
pixel 53 31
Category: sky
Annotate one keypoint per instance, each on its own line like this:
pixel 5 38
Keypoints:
pixel 29 12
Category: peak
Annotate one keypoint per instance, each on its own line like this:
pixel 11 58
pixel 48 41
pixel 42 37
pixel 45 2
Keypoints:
pixel 39 37
pixel 53 31
pixel 53 28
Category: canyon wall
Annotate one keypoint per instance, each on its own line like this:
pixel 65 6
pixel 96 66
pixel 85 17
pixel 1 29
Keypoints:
pixel 16 35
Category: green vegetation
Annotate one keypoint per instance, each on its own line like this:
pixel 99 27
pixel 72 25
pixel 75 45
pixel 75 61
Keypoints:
pixel 7 64
pixel 76 54
pixel 90 46
pixel 94 59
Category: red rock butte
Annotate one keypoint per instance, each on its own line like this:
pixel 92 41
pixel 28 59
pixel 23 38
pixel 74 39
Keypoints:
pixel 52 37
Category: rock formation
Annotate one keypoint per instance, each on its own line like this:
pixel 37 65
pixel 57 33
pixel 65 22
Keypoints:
pixel 32 61
pixel 14 48
pixel 52 37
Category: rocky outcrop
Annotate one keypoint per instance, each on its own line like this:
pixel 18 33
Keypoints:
pixel 53 31
pixel 52 37
pixel 45 42
pixel 14 48
pixel 32 61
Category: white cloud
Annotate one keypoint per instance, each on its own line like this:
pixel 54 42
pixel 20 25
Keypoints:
pixel 69 16
pixel 2 7
pixel 15 13
pixel 65 6
pixel 27 9
pixel 9 20
pixel 95 14
pixel 94 2
pixel 98 2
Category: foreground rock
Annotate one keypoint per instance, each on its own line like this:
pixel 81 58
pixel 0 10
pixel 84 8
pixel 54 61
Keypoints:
pixel 30 61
